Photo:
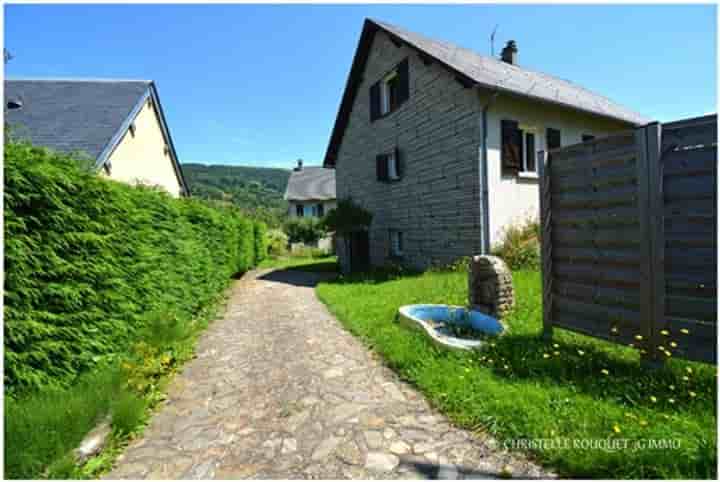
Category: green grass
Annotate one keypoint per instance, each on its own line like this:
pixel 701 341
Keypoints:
pixel 43 428
pixel 521 387
pixel 322 264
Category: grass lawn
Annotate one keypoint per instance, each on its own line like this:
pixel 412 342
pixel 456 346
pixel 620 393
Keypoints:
pixel 571 391
pixel 326 264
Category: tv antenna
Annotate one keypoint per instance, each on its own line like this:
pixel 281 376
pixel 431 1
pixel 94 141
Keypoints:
pixel 492 41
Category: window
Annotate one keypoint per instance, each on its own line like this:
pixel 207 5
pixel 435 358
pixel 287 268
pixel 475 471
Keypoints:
pixel 299 211
pixel 132 129
pixel 552 140
pixel 389 166
pixel 389 93
pixel 396 243
pixel 320 210
pixel 518 148
pixel 587 137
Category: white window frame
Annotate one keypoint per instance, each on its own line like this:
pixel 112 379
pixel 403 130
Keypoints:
pixel 392 166
pixel 385 92
pixel 525 131
pixel 396 243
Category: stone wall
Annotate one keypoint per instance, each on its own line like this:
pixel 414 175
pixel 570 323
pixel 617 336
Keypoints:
pixel 490 288
pixel 436 204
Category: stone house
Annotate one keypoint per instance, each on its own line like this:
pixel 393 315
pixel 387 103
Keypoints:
pixel 440 144
pixel 310 193
pixel 118 124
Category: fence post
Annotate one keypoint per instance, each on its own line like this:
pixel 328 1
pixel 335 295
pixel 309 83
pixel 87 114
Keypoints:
pixel 545 241
pixel 651 233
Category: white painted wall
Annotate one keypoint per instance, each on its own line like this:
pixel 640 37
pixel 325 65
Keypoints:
pixel 141 158
pixel 307 206
pixel 516 199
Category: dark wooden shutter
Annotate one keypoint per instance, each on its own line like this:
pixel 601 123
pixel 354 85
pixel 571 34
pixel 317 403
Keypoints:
pixel 382 167
pixel 321 210
pixel 374 101
pixel 399 163
pixel 530 151
pixel 511 147
pixel 553 138
pixel 403 82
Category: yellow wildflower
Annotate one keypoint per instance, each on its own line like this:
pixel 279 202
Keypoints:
pixel 661 348
pixel 672 387
pixel 638 337
pixel 555 345
pixel 693 394
pixel 673 344
pixel 684 331
pixel 685 378
pixel 667 353
pixel 556 353
pixel 545 355
pixel 604 372
pixel 653 399
pixel 581 353
pixel 671 400
pixel 664 332
pixel 643 422
pixel 614 329
pixel 616 429
pixel 688 369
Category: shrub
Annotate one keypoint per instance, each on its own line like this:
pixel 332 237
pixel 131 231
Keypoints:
pixel 90 263
pixel 277 242
pixel 303 230
pixel 520 247
pixel 261 242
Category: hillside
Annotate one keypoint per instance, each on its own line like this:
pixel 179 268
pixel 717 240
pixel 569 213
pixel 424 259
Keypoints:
pixel 258 190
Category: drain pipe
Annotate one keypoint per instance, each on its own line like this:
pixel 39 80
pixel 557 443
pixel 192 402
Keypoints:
pixel 485 208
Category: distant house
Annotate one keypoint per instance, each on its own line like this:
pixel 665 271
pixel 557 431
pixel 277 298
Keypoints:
pixel 118 124
pixel 310 191
pixel 440 144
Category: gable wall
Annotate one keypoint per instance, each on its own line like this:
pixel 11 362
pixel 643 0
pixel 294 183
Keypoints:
pixel 436 204
pixel 513 200
pixel 141 158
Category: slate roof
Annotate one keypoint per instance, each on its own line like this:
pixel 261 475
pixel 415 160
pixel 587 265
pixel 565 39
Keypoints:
pixel 476 69
pixel 311 184
pixel 71 115
pixel 81 115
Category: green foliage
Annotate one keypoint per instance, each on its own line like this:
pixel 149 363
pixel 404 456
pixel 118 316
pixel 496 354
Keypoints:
pixel 257 191
pixel 277 242
pixel 347 217
pixel 91 263
pixel 128 413
pixel 520 247
pixel 261 242
pixel 520 386
pixel 303 230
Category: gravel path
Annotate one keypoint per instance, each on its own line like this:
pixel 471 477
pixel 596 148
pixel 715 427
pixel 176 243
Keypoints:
pixel 280 390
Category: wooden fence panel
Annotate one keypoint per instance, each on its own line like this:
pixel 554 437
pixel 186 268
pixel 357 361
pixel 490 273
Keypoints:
pixel 629 243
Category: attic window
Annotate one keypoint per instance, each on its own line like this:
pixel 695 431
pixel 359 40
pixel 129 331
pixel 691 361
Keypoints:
pixel 389 93
pixel 132 129
pixel 14 104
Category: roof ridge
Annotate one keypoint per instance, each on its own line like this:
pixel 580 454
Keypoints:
pixel 73 79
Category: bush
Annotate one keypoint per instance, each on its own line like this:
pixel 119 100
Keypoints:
pixel 303 230
pixel 520 247
pixel 261 242
pixel 90 263
pixel 277 242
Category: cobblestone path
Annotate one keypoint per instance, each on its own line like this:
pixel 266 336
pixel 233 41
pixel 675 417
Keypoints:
pixel 280 390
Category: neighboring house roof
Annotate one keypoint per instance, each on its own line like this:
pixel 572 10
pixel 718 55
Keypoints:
pixel 311 184
pixel 88 116
pixel 476 70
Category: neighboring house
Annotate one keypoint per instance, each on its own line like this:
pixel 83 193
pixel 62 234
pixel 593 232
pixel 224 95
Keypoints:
pixel 118 124
pixel 440 144
pixel 310 193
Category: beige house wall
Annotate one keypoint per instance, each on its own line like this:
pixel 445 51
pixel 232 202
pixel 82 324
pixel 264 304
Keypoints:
pixel 142 157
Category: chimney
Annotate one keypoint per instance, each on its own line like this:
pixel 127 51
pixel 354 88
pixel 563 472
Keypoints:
pixel 299 165
pixel 509 53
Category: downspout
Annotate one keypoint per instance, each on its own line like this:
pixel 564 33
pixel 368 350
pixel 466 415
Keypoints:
pixel 485 203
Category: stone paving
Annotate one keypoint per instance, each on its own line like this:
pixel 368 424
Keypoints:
pixel 280 390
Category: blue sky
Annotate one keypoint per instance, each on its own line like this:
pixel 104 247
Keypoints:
pixel 261 84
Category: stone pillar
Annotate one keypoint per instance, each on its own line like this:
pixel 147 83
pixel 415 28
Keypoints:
pixel 490 288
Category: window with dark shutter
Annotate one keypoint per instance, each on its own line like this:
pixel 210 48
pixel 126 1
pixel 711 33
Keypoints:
pixel 511 155
pixel 320 210
pixel 374 101
pixel 299 210
pixel 553 138
pixel 587 137
pixel 403 92
pixel 529 152
pixel 399 164
pixel 382 167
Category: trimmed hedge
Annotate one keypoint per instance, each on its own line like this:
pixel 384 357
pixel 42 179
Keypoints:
pixel 90 262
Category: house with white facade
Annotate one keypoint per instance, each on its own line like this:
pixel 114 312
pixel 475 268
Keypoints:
pixel 440 144
pixel 119 125
pixel 310 191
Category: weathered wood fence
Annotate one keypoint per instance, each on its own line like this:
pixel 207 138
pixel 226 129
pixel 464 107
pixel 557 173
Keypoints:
pixel 629 239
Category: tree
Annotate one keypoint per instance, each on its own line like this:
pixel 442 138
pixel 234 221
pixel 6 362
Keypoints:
pixel 303 230
pixel 347 218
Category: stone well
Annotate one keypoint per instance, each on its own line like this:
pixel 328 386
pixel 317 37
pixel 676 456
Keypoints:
pixel 490 288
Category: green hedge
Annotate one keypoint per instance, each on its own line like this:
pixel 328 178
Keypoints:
pixel 90 262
